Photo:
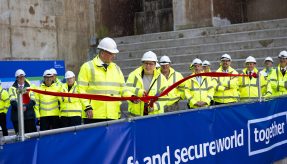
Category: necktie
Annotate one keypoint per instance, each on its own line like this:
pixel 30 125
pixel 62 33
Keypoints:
pixel 105 65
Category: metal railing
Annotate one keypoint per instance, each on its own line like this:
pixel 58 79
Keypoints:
pixel 22 136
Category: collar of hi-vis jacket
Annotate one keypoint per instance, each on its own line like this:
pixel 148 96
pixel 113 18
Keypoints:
pixel 98 62
pixel 202 78
pixel 230 69
pixel 255 70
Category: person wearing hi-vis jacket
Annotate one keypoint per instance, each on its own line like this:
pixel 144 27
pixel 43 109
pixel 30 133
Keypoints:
pixel 248 86
pixel 28 103
pixel 70 108
pixel 199 90
pixel 146 80
pixel 226 88
pixel 47 107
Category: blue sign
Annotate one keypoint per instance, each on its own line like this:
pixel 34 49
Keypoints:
pixel 239 133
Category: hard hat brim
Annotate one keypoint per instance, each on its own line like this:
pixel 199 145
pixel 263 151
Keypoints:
pixel 164 63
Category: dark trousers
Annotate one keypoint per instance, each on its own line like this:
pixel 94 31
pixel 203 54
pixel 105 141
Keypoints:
pixel 50 122
pixel 90 121
pixel 71 121
pixel 29 126
pixel 3 124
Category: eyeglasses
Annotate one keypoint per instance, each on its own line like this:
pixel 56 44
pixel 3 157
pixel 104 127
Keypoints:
pixel 151 64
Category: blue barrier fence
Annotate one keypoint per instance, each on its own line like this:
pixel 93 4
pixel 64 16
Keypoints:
pixel 239 133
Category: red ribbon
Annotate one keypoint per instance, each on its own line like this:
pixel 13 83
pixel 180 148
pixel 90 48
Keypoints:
pixel 150 99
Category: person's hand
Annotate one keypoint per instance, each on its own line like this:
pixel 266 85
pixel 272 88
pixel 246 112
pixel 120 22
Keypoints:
pixel 89 111
pixel 136 101
pixel 89 114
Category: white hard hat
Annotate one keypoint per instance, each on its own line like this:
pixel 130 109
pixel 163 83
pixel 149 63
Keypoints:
pixel 250 59
pixel 48 73
pixel 164 60
pixel 69 74
pixel 283 54
pixel 205 63
pixel 54 72
pixel 20 72
pixel 108 44
pixel 268 59
pixel 196 61
pixel 149 56
pixel 225 57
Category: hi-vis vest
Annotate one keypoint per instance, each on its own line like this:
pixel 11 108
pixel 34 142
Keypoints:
pixel 47 105
pixel 177 93
pixel 70 107
pixel 248 88
pixel 136 87
pixel 196 92
pixel 26 97
pixel 95 79
pixel 4 100
pixel 277 82
pixel 226 89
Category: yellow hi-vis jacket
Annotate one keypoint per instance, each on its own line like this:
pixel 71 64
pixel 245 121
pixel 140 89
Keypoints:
pixel 4 100
pixel 47 105
pixel 266 76
pixel 95 79
pixel 226 90
pixel 70 107
pixel 136 87
pixel 248 88
pixel 177 93
pixel 196 91
pixel 277 81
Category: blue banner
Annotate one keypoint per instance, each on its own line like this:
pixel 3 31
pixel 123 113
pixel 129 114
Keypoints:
pixel 239 133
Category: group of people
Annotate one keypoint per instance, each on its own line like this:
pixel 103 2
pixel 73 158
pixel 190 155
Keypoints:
pixel 101 76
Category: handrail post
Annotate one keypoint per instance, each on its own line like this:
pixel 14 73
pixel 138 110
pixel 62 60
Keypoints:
pixel 21 130
pixel 259 87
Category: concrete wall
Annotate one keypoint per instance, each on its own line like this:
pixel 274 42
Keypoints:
pixel 115 17
pixel 227 11
pixel 266 9
pixel 154 16
pixel 192 13
pixel 45 29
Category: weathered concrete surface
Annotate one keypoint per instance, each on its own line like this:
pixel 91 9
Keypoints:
pixel 45 30
pixel 115 17
pixel 231 11
pixel 266 10
pixel 192 13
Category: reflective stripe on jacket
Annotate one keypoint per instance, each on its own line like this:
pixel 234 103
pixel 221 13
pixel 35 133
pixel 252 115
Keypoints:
pixel 196 92
pixel 4 100
pixel 47 105
pixel 95 79
pixel 248 88
pixel 70 107
pixel 177 93
pixel 136 87
pixel 226 90
pixel 277 81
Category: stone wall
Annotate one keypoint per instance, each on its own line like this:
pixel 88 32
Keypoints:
pixel 45 30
